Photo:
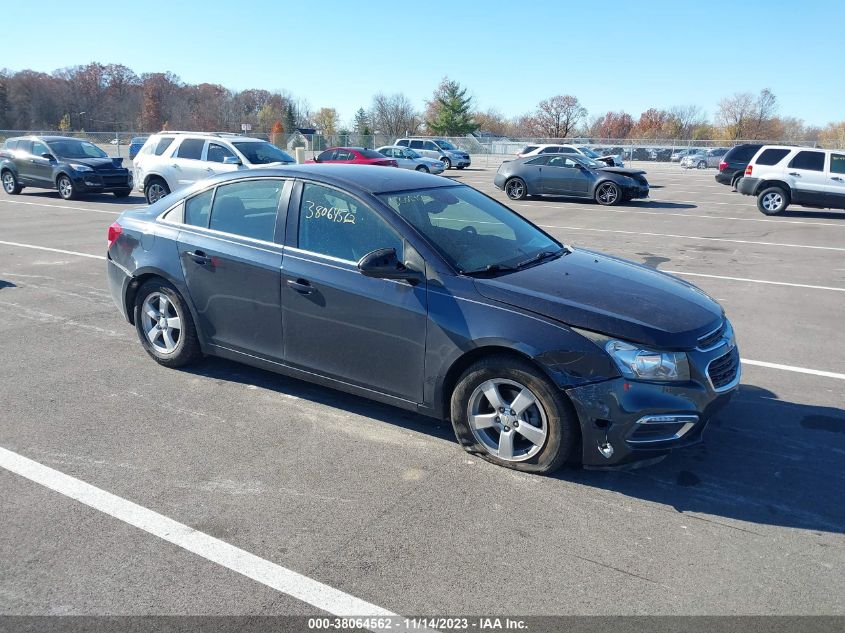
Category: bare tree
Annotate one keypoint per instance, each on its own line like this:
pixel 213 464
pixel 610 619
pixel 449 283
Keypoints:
pixel 558 116
pixel 682 121
pixel 744 116
pixel 394 115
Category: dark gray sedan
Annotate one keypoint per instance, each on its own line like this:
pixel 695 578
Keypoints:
pixel 570 175
pixel 426 294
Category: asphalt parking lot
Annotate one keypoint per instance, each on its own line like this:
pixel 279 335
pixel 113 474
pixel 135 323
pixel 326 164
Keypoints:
pixel 382 504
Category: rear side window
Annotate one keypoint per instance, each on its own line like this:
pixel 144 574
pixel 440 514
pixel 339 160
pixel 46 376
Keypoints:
pixel 837 163
pixel 540 160
pixel 771 156
pixel 197 209
pixel 813 161
pixel 12 145
pixel 247 208
pixel 528 148
pixel 190 148
pixel 163 143
pixel 554 149
pixel 368 153
pixel 403 142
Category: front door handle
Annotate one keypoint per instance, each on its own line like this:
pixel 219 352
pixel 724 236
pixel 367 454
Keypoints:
pixel 837 178
pixel 794 173
pixel 301 286
pixel 199 257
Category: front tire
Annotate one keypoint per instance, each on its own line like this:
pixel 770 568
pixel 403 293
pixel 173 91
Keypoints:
pixel 446 162
pixel 165 326
pixel 516 189
pixel 772 200
pixel 702 164
pixel 122 193
pixel 422 168
pixel 508 413
pixel 608 194
pixel 10 184
pixel 65 186
pixel 155 190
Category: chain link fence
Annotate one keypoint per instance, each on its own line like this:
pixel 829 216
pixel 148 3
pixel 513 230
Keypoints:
pixel 485 151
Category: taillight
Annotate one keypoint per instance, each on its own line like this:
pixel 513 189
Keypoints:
pixel 723 165
pixel 114 232
pixel 748 170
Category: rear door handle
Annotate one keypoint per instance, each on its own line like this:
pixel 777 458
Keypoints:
pixel 301 286
pixel 199 257
pixel 837 178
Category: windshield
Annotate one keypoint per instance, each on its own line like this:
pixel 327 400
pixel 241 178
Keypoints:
pixel 445 145
pixel 588 152
pixel 76 149
pixel 474 233
pixel 262 153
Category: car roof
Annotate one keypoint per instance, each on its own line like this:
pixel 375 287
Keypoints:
pixel 215 136
pixel 48 138
pixel 371 179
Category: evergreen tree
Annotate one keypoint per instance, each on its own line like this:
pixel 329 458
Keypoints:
pixel 362 121
pixel 450 111
pixel 289 119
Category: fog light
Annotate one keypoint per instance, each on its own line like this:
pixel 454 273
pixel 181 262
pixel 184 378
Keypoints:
pixel 606 450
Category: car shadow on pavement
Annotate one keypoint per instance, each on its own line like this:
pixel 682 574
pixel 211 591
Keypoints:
pixel 106 198
pixel 661 204
pixel 811 214
pixel 645 204
pixel 763 460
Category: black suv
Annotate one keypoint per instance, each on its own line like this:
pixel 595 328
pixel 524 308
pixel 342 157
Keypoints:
pixel 733 164
pixel 70 165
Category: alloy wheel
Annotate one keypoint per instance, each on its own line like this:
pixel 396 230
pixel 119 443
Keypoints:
pixel 65 187
pixel 9 182
pixel 608 193
pixel 156 192
pixel 515 189
pixel 162 323
pixel 507 419
pixel 772 201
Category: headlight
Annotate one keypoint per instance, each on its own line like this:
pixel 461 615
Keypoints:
pixel 645 364
pixel 78 167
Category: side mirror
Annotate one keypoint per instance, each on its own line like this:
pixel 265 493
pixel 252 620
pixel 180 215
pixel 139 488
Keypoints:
pixel 231 160
pixel 384 264
pixel 48 156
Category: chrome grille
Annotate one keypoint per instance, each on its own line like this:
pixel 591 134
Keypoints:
pixel 711 339
pixel 723 371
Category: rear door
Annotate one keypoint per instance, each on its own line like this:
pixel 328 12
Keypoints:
pixel 230 249
pixel 810 183
pixel 187 164
pixel 22 158
pixel 40 169
pixel 836 172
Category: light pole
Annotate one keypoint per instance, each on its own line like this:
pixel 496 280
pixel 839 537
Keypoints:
pixel 81 120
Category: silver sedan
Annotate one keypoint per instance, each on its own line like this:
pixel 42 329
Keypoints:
pixel 409 159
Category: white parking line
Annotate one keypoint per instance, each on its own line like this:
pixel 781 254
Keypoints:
pixel 275 576
pixel 692 237
pixel 753 281
pixel 800 370
pixel 62 206
pixel 52 250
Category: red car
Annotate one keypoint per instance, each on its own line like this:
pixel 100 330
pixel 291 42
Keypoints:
pixel 353 156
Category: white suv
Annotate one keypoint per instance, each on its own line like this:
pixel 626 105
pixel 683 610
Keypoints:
pixel 555 148
pixel 171 160
pixel 808 176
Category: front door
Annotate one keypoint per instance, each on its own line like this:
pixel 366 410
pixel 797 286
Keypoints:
pixel 231 263
pixel 338 323
pixel 565 176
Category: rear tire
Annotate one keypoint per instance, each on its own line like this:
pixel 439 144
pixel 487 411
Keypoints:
pixel 65 186
pixel 772 200
pixel 460 167
pixel 165 326
pixel 532 427
pixel 702 164
pixel 10 183
pixel 422 168
pixel 515 189
pixel 155 190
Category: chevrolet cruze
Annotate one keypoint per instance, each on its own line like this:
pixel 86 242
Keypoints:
pixel 416 291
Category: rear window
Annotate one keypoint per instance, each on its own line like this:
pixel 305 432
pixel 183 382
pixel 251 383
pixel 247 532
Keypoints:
pixel 528 148
pixel 369 153
pixel 742 153
pixel 163 143
pixel 771 156
pixel 190 148
pixel 813 161
pixel 11 145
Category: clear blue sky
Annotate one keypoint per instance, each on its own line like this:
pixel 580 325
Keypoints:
pixel 510 54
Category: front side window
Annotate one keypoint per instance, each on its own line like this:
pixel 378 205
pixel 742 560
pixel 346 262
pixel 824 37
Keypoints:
pixel 247 208
pixel 190 148
pixel 430 146
pixel 563 161
pixel 262 153
pixel 336 224
pixel 216 153
pixel 403 142
pixel 343 154
pixel 474 233
pixel 388 152
pixel 837 163
pixel 540 160
pixel 197 209
pixel 163 143
pixel 554 149
pixel 417 145
pixel 812 161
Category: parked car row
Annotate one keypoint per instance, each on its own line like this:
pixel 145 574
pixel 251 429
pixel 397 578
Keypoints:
pixel 702 159
pixel 545 148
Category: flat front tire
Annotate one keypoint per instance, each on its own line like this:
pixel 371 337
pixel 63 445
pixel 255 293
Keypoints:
pixel 772 200
pixel 506 412
pixel 164 325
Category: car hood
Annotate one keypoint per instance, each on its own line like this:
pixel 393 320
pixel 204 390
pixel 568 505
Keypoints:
pixel 612 296
pixel 625 171
pixel 97 164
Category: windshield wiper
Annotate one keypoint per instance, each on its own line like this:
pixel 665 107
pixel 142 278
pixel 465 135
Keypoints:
pixel 490 268
pixel 541 256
